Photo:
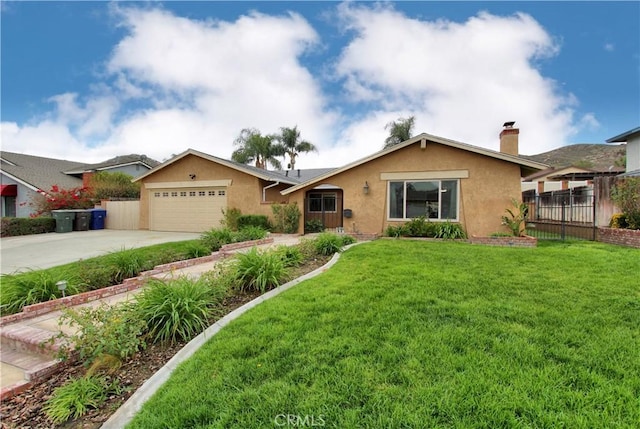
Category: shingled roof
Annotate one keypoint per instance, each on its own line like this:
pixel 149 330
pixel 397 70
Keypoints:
pixel 117 161
pixel 39 173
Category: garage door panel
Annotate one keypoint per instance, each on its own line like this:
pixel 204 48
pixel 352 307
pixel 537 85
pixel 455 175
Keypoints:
pixel 187 210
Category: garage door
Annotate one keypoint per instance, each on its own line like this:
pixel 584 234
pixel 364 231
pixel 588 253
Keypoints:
pixel 186 209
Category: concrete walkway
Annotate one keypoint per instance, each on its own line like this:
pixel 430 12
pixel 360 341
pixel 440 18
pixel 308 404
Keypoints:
pixel 21 355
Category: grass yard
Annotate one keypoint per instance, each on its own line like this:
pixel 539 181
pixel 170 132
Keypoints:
pixel 416 334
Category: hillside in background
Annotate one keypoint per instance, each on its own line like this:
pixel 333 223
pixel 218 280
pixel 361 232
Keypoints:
pixel 594 156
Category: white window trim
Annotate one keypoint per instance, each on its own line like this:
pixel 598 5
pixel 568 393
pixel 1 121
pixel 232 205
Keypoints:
pixel 412 179
pixel 426 175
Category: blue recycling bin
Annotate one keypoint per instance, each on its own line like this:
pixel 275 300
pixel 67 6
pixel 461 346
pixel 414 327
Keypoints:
pixel 97 218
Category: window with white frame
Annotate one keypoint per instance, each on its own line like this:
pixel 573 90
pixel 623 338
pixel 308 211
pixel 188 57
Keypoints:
pixel 433 199
pixel 322 202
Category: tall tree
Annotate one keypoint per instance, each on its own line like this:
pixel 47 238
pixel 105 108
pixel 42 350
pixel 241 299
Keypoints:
pixel 289 144
pixel 399 131
pixel 253 147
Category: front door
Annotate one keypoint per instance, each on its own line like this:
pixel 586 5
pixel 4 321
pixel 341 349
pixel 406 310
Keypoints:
pixel 324 206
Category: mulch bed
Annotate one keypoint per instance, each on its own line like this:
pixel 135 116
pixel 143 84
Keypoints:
pixel 25 410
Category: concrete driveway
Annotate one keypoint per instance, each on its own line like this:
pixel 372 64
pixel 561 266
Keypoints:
pixel 48 250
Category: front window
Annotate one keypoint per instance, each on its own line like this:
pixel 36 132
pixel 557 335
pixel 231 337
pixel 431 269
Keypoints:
pixel 322 203
pixel 433 199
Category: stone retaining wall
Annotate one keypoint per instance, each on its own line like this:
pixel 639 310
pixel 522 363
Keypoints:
pixel 621 237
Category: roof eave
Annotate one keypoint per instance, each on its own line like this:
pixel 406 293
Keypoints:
pixel 621 138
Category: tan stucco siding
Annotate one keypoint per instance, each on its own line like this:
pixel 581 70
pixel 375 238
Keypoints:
pixel 244 191
pixel 484 195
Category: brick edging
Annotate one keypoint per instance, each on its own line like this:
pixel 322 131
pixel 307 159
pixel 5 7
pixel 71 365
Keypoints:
pixel 619 236
pixel 127 285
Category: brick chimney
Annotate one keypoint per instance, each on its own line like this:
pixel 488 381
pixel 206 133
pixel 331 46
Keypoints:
pixel 86 178
pixel 509 139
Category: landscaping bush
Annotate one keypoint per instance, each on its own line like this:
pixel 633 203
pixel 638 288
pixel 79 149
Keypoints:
pixel 396 231
pixel 215 238
pixel 106 331
pixel 197 250
pixel 15 226
pixel 291 255
pixel 327 243
pixel 75 398
pixel 127 264
pixel 286 218
pixel 618 220
pixel 450 231
pixel 249 233
pixel 626 195
pixel 32 287
pixel 313 225
pixel 259 270
pixel 420 227
pixel 178 309
pixel 260 221
pixel 230 220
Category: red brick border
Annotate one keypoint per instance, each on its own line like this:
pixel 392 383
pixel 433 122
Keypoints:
pixel 621 237
pixel 525 241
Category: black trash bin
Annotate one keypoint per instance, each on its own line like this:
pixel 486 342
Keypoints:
pixel 98 218
pixel 81 222
pixel 64 220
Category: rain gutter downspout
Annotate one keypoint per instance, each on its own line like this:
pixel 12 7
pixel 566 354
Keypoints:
pixel 264 190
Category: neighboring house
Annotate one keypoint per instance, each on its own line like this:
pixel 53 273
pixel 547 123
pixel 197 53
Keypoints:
pixel 557 179
pixel 424 176
pixel 632 138
pixel 22 176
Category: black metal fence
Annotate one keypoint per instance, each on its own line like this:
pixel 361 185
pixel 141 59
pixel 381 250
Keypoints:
pixel 561 215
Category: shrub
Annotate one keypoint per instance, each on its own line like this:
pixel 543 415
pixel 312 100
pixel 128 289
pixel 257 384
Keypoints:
pixel 618 220
pixel 15 226
pixel 94 275
pixel 178 309
pixel 197 250
pixel 313 225
pixel 77 397
pixel 626 195
pixel 32 287
pixel 260 221
pixel 396 231
pixel 106 185
pixel 347 239
pixel 126 263
pixel 249 233
pixel 214 239
pixel 291 255
pixel 57 198
pixel 230 218
pixel 286 217
pixel 449 231
pixel 259 270
pixel 514 219
pixel 103 331
pixel 419 227
pixel 327 243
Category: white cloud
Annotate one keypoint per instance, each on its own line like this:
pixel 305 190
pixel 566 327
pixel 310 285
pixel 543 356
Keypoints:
pixel 609 47
pixel 460 80
pixel 173 83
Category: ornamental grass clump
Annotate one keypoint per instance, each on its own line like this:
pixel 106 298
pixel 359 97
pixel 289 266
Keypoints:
pixel 126 264
pixel 32 287
pixel 259 271
pixel 78 396
pixel 178 309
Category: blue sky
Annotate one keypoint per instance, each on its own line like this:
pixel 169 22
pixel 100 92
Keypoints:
pixel 90 80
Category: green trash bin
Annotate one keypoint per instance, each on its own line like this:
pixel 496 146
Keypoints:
pixel 64 220
pixel 82 220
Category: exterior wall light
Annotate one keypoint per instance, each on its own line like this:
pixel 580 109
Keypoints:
pixel 62 286
pixel 365 188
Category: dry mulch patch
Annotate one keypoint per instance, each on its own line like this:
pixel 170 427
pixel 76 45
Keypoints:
pixel 25 410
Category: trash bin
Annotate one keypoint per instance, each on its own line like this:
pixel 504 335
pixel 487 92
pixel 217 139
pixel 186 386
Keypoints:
pixel 97 218
pixel 64 220
pixel 81 222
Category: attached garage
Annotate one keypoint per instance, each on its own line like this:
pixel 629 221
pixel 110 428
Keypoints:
pixel 194 209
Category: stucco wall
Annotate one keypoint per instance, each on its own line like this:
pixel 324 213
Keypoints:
pixel 484 195
pixel 245 192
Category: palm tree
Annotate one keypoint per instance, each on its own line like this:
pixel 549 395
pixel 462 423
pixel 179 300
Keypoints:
pixel 291 145
pixel 254 147
pixel 399 131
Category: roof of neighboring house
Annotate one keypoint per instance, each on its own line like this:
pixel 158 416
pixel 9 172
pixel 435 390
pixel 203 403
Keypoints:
pixel 587 175
pixel 584 173
pixel 38 173
pixel 624 136
pixel 291 177
pixel 118 161
pixel 525 164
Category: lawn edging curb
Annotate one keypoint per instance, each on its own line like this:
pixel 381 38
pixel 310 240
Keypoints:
pixel 130 408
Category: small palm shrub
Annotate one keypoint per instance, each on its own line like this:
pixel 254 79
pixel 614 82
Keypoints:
pixel 101 332
pixel 78 396
pixel 258 270
pixel 178 309
pixel 32 287
pixel 514 219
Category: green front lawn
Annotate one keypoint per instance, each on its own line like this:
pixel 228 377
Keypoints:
pixel 415 334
